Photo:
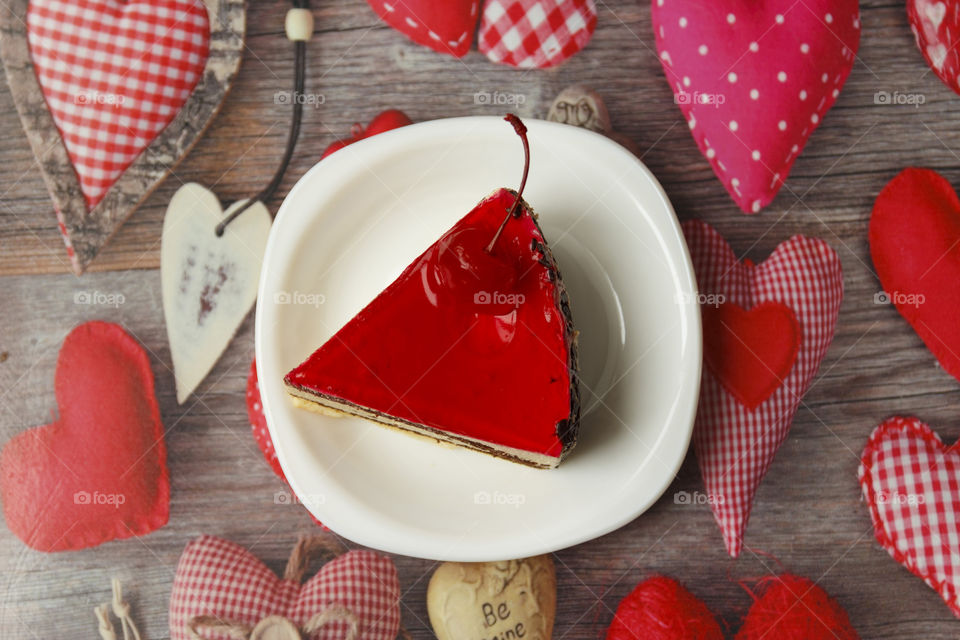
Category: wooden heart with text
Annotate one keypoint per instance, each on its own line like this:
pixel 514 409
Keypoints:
pixel 112 94
pixel 754 79
pixel 762 353
pixel 915 247
pixel 98 472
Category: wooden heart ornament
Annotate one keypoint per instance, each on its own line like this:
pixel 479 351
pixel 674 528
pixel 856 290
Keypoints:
pixel 915 247
pixel 221 590
pixel 754 80
pixel 112 95
pixel 766 328
pixel 910 481
pixel 509 599
pixel 209 282
pixel 98 472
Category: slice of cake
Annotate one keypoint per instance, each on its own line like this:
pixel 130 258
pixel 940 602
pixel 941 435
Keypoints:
pixel 473 344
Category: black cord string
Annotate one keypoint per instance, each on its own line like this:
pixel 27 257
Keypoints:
pixel 300 78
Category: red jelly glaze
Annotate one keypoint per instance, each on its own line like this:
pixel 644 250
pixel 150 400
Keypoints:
pixel 463 341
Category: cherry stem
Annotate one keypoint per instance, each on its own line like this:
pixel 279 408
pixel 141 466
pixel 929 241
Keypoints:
pixel 521 130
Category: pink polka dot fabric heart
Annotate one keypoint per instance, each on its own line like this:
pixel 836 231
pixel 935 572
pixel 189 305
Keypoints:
pixel 754 79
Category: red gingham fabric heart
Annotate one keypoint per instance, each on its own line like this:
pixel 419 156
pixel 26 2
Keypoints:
pixel 535 33
pixel 936 27
pixel 220 578
pixel 911 483
pixel 114 74
pixel 734 444
pixel 754 80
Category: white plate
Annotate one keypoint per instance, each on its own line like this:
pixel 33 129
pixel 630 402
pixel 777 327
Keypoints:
pixel 351 225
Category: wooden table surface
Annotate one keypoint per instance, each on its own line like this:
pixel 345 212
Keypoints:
pixel 808 517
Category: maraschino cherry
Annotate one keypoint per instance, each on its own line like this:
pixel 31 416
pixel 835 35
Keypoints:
pixel 471 265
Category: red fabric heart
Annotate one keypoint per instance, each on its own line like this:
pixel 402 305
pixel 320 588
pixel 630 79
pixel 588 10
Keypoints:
pixel 535 33
pixel 911 484
pixel 795 608
pixel 218 578
pixel 750 352
pixel 754 80
pixel 98 472
pixel 915 247
pixel 934 25
pixel 660 608
pixel 734 443
pixel 385 121
pixel 114 74
pixel 445 27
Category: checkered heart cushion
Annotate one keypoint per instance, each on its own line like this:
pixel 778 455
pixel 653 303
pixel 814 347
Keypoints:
pixel 218 578
pixel 114 74
pixel 911 483
pixel 535 33
pixel 735 444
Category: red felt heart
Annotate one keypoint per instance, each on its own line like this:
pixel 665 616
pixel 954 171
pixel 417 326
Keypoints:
pixel 660 608
pixel 795 608
pixel 911 484
pixel 218 578
pixel 750 352
pixel 114 74
pixel 385 121
pixel 99 471
pixel 915 246
pixel 754 79
pixel 446 27
pixel 735 443
pixel 935 27
pixel 535 33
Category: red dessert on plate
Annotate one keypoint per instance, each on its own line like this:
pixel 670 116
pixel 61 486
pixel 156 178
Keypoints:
pixel 473 344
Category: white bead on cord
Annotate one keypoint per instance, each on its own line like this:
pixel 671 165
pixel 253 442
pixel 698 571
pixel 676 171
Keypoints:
pixel 299 25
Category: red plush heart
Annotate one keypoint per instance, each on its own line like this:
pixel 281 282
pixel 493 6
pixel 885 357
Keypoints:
pixel 915 246
pixel 221 579
pixel 660 608
pixel 911 484
pixel 736 442
pixel 385 121
pixel 754 79
pixel 935 27
pixel 750 352
pixel 98 472
pixel 795 608
pixel 535 33
pixel 114 74
pixel 446 27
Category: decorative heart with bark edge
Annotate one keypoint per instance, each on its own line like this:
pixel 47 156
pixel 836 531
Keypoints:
pixel 910 481
pixel 754 80
pixel 80 53
pixel 221 590
pixel 915 248
pixel 209 282
pixel 802 274
pixel 99 471
pixel 931 22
